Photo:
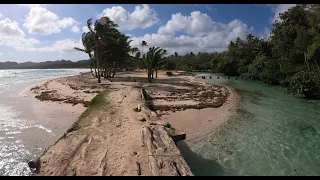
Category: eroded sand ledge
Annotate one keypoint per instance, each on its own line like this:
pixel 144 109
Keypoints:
pixel 115 139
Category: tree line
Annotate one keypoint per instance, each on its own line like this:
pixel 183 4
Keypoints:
pixel 45 65
pixel 290 57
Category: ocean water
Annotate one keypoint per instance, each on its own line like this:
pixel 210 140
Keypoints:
pixel 24 132
pixel 271 133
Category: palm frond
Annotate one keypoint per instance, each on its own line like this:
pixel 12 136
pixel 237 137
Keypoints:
pixel 89 24
pixel 79 49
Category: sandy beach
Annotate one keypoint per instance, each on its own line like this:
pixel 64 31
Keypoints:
pixel 109 139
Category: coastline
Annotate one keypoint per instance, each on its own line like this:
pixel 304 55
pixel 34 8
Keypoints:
pixel 66 87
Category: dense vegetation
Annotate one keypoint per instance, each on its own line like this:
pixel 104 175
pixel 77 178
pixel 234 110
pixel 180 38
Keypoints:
pixel 290 57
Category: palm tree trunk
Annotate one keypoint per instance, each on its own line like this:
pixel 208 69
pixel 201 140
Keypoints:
pixel 105 73
pixel 149 71
pixel 315 61
pixel 92 65
pixel 98 66
pixel 91 71
pixel 95 72
pixel 152 74
pixel 306 60
pixel 156 73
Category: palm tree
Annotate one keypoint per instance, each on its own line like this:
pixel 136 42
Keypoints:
pixel 249 37
pixel 152 60
pixel 102 33
pixel 88 45
pixel 160 61
pixel 263 48
pixel 143 43
pixel 117 53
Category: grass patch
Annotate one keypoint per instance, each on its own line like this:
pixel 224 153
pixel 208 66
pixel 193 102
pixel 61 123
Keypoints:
pixel 96 103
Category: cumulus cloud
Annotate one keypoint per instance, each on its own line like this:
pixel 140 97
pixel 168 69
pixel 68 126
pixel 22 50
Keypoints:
pixel 279 8
pixel 267 33
pixel 12 35
pixel 75 29
pixel 60 46
pixel 142 17
pixel 86 29
pixel 203 34
pixel 10 29
pixel 1 15
pixel 41 21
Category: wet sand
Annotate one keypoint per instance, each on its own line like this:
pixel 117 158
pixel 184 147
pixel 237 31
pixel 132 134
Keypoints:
pixel 196 122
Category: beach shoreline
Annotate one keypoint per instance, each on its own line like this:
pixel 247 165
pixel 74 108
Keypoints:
pixel 83 88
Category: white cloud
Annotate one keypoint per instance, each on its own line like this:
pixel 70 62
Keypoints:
pixel 41 21
pixel 85 29
pixel 1 54
pixel 60 46
pixel 198 24
pixel 66 45
pixel 10 28
pixel 12 35
pixel 203 34
pixel 142 17
pixel 279 8
pixel 1 15
pixel 267 33
pixel 75 29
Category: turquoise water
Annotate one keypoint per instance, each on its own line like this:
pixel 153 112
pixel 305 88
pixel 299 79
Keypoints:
pixel 22 135
pixel 271 133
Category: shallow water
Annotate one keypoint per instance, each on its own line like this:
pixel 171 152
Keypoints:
pixel 271 133
pixel 26 127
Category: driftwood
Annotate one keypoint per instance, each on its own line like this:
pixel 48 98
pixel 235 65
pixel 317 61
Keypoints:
pixel 152 161
pixel 174 169
pixel 164 156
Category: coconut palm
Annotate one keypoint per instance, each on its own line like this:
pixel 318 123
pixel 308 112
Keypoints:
pixel 143 43
pixel 88 45
pixel 102 33
pixel 152 60
pixel 263 47
pixel 118 52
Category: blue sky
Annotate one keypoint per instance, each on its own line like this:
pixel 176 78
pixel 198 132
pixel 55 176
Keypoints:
pixel 32 32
